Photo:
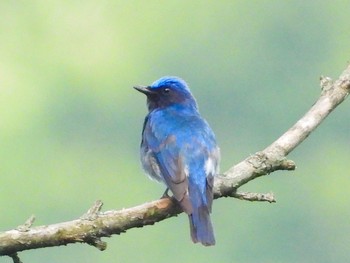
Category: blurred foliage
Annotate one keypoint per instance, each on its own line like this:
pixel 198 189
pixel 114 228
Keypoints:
pixel 70 122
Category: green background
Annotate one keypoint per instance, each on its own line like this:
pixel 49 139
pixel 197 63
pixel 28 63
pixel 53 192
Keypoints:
pixel 70 122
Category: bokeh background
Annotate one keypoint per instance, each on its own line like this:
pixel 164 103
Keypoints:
pixel 70 121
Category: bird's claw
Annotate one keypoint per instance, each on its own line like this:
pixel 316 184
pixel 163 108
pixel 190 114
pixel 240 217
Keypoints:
pixel 165 194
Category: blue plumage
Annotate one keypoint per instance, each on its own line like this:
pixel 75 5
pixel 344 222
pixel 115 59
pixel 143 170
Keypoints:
pixel 179 149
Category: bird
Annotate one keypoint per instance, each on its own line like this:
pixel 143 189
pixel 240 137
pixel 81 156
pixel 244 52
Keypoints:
pixel 179 148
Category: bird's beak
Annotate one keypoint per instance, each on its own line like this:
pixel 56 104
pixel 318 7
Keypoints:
pixel 144 89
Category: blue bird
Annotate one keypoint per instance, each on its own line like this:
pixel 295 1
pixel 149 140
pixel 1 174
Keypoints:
pixel 179 149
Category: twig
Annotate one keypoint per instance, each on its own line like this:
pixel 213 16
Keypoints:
pixel 268 197
pixel 27 224
pixel 15 258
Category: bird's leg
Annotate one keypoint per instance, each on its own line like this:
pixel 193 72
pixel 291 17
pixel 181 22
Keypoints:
pixel 166 194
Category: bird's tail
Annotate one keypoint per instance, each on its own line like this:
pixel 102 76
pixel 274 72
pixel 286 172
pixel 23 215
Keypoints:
pixel 201 227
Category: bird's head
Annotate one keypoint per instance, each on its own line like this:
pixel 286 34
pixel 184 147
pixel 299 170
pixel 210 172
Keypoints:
pixel 168 91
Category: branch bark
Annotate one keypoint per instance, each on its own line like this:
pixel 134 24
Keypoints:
pixel 96 224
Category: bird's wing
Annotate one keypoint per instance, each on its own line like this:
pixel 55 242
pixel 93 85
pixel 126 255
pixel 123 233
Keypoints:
pixel 181 150
pixel 172 166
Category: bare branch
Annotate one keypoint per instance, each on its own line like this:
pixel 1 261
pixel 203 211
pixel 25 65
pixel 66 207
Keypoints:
pixel 269 197
pixel 95 224
pixel 88 230
pixel 273 157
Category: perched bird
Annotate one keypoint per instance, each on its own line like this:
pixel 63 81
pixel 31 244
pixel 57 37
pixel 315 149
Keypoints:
pixel 179 149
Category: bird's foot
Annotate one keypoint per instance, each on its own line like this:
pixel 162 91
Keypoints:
pixel 165 194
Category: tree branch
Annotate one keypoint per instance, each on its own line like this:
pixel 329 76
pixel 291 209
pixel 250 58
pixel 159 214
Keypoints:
pixel 273 157
pixel 95 224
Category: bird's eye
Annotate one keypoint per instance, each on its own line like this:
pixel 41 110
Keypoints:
pixel 166 91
